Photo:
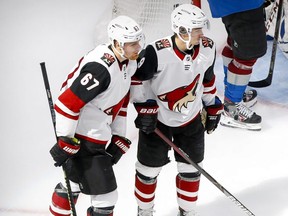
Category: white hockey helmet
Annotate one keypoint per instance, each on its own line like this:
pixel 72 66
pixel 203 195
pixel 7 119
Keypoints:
pixel 186 17
pixel 124 29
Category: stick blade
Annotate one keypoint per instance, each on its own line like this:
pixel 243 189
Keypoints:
pixel 259 84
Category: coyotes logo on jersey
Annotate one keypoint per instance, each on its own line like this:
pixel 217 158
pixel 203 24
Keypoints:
pixel 108 59
pixel 114 110
pixel 180 97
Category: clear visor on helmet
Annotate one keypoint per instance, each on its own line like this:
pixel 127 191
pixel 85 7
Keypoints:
pixel 184 32
pixel 137 41
pixel 187 34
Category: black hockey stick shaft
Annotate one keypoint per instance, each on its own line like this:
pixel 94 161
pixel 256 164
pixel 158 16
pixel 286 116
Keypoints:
pixel 268 80
pixel 53 117
pixel 203 172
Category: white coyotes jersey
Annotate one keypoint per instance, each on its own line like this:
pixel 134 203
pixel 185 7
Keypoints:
pixel 89 113
pixel 177 86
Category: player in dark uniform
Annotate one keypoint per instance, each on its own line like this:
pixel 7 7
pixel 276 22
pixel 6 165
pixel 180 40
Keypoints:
pixel 91 110
pixel 182 83
pixel 245 26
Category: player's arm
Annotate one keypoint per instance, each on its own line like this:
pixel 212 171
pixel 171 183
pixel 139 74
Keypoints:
pixel 92 80
pixel 147 64
pixel 119 144
pixel 147 110
pixel 209 92
pixel 213 106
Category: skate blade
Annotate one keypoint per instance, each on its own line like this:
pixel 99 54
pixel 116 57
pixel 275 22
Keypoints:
pixel 229 122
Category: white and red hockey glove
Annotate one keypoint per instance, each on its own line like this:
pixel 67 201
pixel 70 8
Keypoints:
pixel 146 120
pixel 213 115
pixel 118 146
pixel 65 148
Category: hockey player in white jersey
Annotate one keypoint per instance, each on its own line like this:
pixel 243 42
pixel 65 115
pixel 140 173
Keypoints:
pixel 91 110
pixel 182 84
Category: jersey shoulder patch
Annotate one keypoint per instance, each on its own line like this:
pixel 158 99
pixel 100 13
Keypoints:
pixel 163 43
pixel 207 42
pixel 108 59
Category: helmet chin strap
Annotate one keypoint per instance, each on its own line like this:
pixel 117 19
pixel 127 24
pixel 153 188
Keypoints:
pixel 187 42
pixel 122 53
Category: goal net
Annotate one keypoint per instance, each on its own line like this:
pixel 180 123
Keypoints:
pixel 152 15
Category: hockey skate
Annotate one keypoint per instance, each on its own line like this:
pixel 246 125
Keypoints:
pixel 145 212
pixel 185 213
pixel 237 115
pixel 250 98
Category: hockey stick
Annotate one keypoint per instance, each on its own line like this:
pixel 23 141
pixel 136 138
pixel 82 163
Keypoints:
pixel 202 171
pixel 52 111
pixel 268 80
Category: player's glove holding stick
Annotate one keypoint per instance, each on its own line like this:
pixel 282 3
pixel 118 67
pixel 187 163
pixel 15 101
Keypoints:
pixel 65 148
pixel 211 115
pixel 119 145
pixel 146 119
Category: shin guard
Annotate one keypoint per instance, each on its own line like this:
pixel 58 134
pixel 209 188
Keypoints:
pixel 187 191
pixel 60 203
pixel 145 191
pixel 238 76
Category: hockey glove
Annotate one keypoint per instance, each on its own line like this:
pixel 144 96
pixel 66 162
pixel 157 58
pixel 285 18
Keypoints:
pixel 65 148
pixel 147 116
pixel 118 146
pixel 213 115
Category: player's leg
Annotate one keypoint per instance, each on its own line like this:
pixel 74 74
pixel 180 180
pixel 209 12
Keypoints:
pixel 248 42
pixel 152 154
pixel 91 170
pixel 100 183
pixel 250 95
pixel 97 179
pixel 191 140
pixel 187 186
pixel 60 205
